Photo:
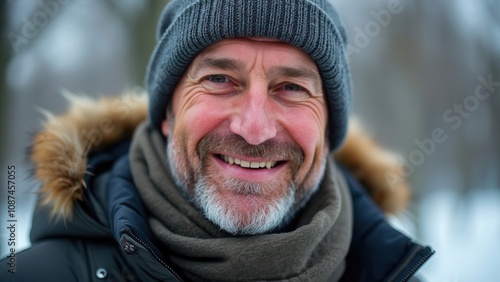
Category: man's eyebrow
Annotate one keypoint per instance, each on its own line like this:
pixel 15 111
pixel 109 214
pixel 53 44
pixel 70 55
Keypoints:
pixel 298 72
pixel 219 63
pixel 233 64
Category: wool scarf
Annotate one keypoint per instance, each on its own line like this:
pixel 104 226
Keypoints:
pixel 313 248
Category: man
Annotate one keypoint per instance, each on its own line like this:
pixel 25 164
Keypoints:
pixel 231 179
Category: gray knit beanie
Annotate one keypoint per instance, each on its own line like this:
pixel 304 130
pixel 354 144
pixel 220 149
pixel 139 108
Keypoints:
pixel 188 26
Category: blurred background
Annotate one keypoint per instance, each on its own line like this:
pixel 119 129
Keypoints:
pixel 426 76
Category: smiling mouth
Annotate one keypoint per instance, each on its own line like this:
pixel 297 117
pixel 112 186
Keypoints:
pixel 248 164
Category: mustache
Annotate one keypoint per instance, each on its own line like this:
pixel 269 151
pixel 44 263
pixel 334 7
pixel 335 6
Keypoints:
pixel 233 144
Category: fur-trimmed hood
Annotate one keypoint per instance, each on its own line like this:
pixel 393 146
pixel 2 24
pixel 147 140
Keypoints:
pixel 59 152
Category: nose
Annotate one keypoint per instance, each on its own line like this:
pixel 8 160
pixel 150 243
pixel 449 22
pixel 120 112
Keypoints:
pixel 253 120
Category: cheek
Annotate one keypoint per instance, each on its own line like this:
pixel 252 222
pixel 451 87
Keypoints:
pixel 196 117
pixel 307 126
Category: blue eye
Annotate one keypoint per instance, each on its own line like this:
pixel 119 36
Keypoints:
pixel 291 92
pixel 218 84
pixel 293 87
pixel 217 78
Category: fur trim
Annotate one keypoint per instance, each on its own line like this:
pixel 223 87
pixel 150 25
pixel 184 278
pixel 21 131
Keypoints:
pixel 372 166
pixel 60 151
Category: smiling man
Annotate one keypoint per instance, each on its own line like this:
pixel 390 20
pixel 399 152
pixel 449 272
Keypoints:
pixel 232 176
pixel 260 152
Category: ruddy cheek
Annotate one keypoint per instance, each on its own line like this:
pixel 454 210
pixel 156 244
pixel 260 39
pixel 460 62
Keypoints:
pixel 196 123
pixel 309 135
pixel 305 131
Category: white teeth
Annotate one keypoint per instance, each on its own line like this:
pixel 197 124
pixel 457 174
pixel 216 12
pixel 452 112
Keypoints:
pixel 246 164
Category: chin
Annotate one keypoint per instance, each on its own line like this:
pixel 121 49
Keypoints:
pixel 244 214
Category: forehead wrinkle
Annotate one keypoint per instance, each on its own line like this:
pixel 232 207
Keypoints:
pixel 297 72
pixel 218 63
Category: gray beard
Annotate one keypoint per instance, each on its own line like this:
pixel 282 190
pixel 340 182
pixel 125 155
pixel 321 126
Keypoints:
pixel 197 189
pixel 261 220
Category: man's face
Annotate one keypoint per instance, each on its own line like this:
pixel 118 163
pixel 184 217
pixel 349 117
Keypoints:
pixel 246 133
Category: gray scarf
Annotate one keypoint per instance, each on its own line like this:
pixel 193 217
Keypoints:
pixel 313 249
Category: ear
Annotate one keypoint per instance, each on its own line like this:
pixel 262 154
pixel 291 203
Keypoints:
pixel 164 127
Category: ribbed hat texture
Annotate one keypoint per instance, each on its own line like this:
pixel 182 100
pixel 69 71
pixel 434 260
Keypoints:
pixel 188 26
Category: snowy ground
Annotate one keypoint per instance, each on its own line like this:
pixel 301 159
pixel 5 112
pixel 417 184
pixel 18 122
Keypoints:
pixel 465 235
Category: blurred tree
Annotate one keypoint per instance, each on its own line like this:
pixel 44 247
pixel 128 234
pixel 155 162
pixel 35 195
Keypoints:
pixel 142 31
pixel 415 65
pixel 4 57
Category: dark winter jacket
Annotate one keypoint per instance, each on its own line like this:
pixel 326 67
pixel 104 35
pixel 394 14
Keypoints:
pixel 104 235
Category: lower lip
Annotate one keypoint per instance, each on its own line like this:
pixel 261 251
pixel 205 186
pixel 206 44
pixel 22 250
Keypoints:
pixel 249 174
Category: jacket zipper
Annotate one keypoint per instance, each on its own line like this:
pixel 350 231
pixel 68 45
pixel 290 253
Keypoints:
pixel 407 262
pixel 129 232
